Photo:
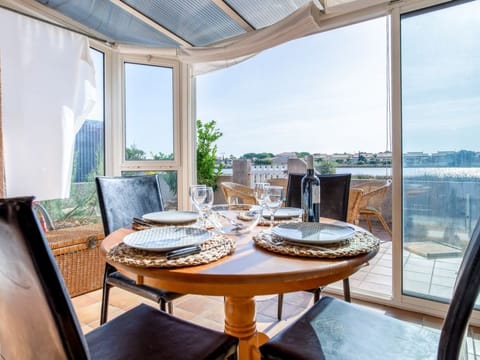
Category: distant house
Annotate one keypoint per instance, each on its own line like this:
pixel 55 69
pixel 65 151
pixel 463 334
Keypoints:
pixel 282 158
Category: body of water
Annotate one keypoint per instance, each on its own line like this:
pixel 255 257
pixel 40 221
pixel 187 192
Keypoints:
pixel 407 172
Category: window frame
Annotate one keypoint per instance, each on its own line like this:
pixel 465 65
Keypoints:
pixel 156 165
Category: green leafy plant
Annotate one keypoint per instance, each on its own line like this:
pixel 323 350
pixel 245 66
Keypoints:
pixel 327 167
pixel 207 169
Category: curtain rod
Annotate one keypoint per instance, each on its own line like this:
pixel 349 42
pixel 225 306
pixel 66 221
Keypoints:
pixel 109 43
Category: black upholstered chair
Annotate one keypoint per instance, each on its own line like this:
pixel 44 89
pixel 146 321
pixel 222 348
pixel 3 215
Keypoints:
pixel 334 193
pixel 334 329
pixel 38 317
pixel 120 200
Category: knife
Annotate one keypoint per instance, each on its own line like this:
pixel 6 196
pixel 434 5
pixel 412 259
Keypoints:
pixel 185 251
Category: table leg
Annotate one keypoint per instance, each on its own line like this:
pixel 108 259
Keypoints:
pixel 240 322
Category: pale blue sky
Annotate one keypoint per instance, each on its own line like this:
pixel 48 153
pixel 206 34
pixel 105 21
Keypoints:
pixel 313 94
pixel 328 92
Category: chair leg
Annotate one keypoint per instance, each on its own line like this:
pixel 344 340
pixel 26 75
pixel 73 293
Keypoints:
pixel 369 222
pixel 316 294
pixel 384 224
pixel 280 307
pixel 105 297
pixel 163 305
pixel 170 307
pixel 346 290
pixel 109 269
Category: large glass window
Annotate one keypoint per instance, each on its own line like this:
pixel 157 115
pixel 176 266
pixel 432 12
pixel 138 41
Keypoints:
pixel 150 124
pixel 325 94
pixel 149 112
pixel 89 161
pixel 440 57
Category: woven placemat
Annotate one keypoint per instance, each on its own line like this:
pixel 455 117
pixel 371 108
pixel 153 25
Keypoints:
pixel 360 243
pixel 266 222
pixel 213 249
pixel 142 226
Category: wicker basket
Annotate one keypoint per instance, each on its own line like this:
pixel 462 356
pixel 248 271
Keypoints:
pixel 77 252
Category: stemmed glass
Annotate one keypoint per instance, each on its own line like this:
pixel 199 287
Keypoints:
pixel 196 195
pixel 259 192
pixel 273 200
pixel 202 198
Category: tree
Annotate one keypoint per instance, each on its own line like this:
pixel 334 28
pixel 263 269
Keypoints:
pixel 134 153
pixel 207 169
pixel 327 167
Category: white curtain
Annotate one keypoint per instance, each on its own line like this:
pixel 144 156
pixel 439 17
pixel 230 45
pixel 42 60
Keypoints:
pixel 48 86
pixel 302 22
pixel 305 21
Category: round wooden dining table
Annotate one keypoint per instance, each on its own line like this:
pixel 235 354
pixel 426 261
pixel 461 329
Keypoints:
pixel 248 272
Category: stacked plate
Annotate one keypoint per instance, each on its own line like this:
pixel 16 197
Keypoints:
pixel 283 213
pixel 171 217
pixel 166 238
pixel 313 233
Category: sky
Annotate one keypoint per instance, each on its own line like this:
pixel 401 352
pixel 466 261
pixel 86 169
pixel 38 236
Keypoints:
pixel 327 93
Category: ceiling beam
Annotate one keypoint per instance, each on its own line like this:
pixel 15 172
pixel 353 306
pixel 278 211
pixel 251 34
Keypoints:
pixel 137 14
pixel 234 15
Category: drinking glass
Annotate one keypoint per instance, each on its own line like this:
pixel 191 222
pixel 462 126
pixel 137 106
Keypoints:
pixel 196 195
pixel 202 196
pixel 259 192
pixel 273 200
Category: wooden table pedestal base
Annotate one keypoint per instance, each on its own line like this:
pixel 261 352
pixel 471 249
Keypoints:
pixel 240 322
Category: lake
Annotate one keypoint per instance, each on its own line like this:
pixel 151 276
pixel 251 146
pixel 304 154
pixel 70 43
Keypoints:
pixel 414 171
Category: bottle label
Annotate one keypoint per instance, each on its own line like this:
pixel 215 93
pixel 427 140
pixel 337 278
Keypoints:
pixel 315 194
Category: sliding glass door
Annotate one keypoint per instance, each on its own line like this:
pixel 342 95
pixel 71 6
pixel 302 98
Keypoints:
pixel 440 74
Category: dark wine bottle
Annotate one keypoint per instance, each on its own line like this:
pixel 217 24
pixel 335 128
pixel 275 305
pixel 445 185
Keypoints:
pixel 310 194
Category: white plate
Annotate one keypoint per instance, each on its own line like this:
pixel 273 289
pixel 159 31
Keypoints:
pixel 313 233
pixel 166 238
pixel 283 213
pixel 171 217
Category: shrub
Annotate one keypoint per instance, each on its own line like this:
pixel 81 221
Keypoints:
pixel 207 169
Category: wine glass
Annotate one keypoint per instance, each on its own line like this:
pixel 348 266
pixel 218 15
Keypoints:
pixel 197 196
pixel 273 200
pixel 202 196
pixel 259 192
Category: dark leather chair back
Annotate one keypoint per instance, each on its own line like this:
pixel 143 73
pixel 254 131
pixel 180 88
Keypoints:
pixel 125 197
pixel 38 320
pixel 465 293
pixel 334 192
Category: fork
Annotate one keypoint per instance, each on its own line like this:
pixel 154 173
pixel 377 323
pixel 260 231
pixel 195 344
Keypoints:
pixel 235 223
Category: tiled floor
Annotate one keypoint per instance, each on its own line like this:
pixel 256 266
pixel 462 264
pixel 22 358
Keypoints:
pixel 208 310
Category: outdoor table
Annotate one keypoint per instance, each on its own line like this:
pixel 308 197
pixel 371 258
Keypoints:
pixel 248 272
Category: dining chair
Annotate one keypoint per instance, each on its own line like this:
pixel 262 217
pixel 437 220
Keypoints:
pixel 235 193
pixel 120 200
pixel 38 317
pixel 334 201
pixel 372 200
pixel 354 199
pixel 334 329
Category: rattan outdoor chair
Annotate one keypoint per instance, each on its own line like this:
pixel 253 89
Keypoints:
pixel 237 193
pixel 39 322
pixel 354 199
pixel 283 182
pixel 372 201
